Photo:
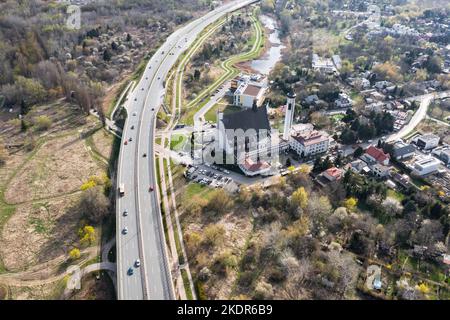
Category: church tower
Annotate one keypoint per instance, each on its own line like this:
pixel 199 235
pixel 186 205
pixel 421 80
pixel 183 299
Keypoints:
pixel 289 118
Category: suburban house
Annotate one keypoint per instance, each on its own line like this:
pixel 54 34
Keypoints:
pixel 246 150
pixel 445 156
pixel 358 166
pixel 343 101
pixel 309 142
pixel 425 165
pixel 330 175
pixel 333 174
pixel 374 155
pixel 402 150
pixel 402 180
pixel 427 141
pixel 380 170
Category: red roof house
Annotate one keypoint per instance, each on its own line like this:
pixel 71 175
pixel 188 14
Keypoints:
pixel 377 155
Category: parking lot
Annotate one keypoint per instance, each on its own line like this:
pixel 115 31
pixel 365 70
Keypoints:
pixel 209 175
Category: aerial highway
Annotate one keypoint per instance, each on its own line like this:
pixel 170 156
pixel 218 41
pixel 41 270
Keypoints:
pixel 143 270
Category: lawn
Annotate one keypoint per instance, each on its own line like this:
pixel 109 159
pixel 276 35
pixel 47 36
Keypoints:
pixel 177 142
pixel 197 189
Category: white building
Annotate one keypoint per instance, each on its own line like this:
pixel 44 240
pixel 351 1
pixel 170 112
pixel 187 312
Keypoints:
pixel 248 92
pixel 426 165
pixel 309 142
pixel 289 117
pixel 427 141
pixel 380 170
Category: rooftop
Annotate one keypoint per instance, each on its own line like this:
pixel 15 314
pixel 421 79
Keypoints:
pixel 253 166
pixel 252 90
pixel 334 172
pixel 310 137
pixel 377 154
pixel 247 119
pixel 428 137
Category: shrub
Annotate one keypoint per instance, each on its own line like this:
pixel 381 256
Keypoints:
pixel 213 234
pixel 43 123
pixel 74 254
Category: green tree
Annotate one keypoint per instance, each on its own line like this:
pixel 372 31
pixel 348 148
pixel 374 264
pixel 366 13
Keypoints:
pixel 358 152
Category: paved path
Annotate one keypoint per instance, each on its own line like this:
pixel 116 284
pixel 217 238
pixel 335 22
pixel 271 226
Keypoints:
pixel 199 117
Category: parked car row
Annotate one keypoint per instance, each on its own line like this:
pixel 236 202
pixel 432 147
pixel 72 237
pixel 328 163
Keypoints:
pixel 207 177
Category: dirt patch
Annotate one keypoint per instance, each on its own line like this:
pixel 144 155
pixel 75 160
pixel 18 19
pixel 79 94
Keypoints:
pixel 39 232
pixel 60 166
pixel 103 142
pixel 49 291
pixel 93 288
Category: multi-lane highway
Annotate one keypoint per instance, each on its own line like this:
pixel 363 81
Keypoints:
pixel 140 234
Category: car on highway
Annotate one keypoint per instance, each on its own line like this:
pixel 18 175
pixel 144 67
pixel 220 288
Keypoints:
pixel 125 213
pixel 121 189
pixel 130 271
pixel 125 143
pixel 137 263
pixel 132 127
pixel 150 189
pixel 125 230
pixel 131 139
pixel 134 114
pixel 144 155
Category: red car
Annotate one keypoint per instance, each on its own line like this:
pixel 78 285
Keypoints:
pixel 126 142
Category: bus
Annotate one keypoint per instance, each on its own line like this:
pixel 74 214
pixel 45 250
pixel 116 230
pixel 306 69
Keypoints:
pixel 122 190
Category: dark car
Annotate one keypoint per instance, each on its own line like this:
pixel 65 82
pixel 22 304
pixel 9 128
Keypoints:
pixel 130 271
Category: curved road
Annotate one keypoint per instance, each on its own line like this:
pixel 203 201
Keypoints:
pixel 145 238
pixel 419 115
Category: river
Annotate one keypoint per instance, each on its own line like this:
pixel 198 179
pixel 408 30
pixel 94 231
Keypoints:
pixel 273 54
